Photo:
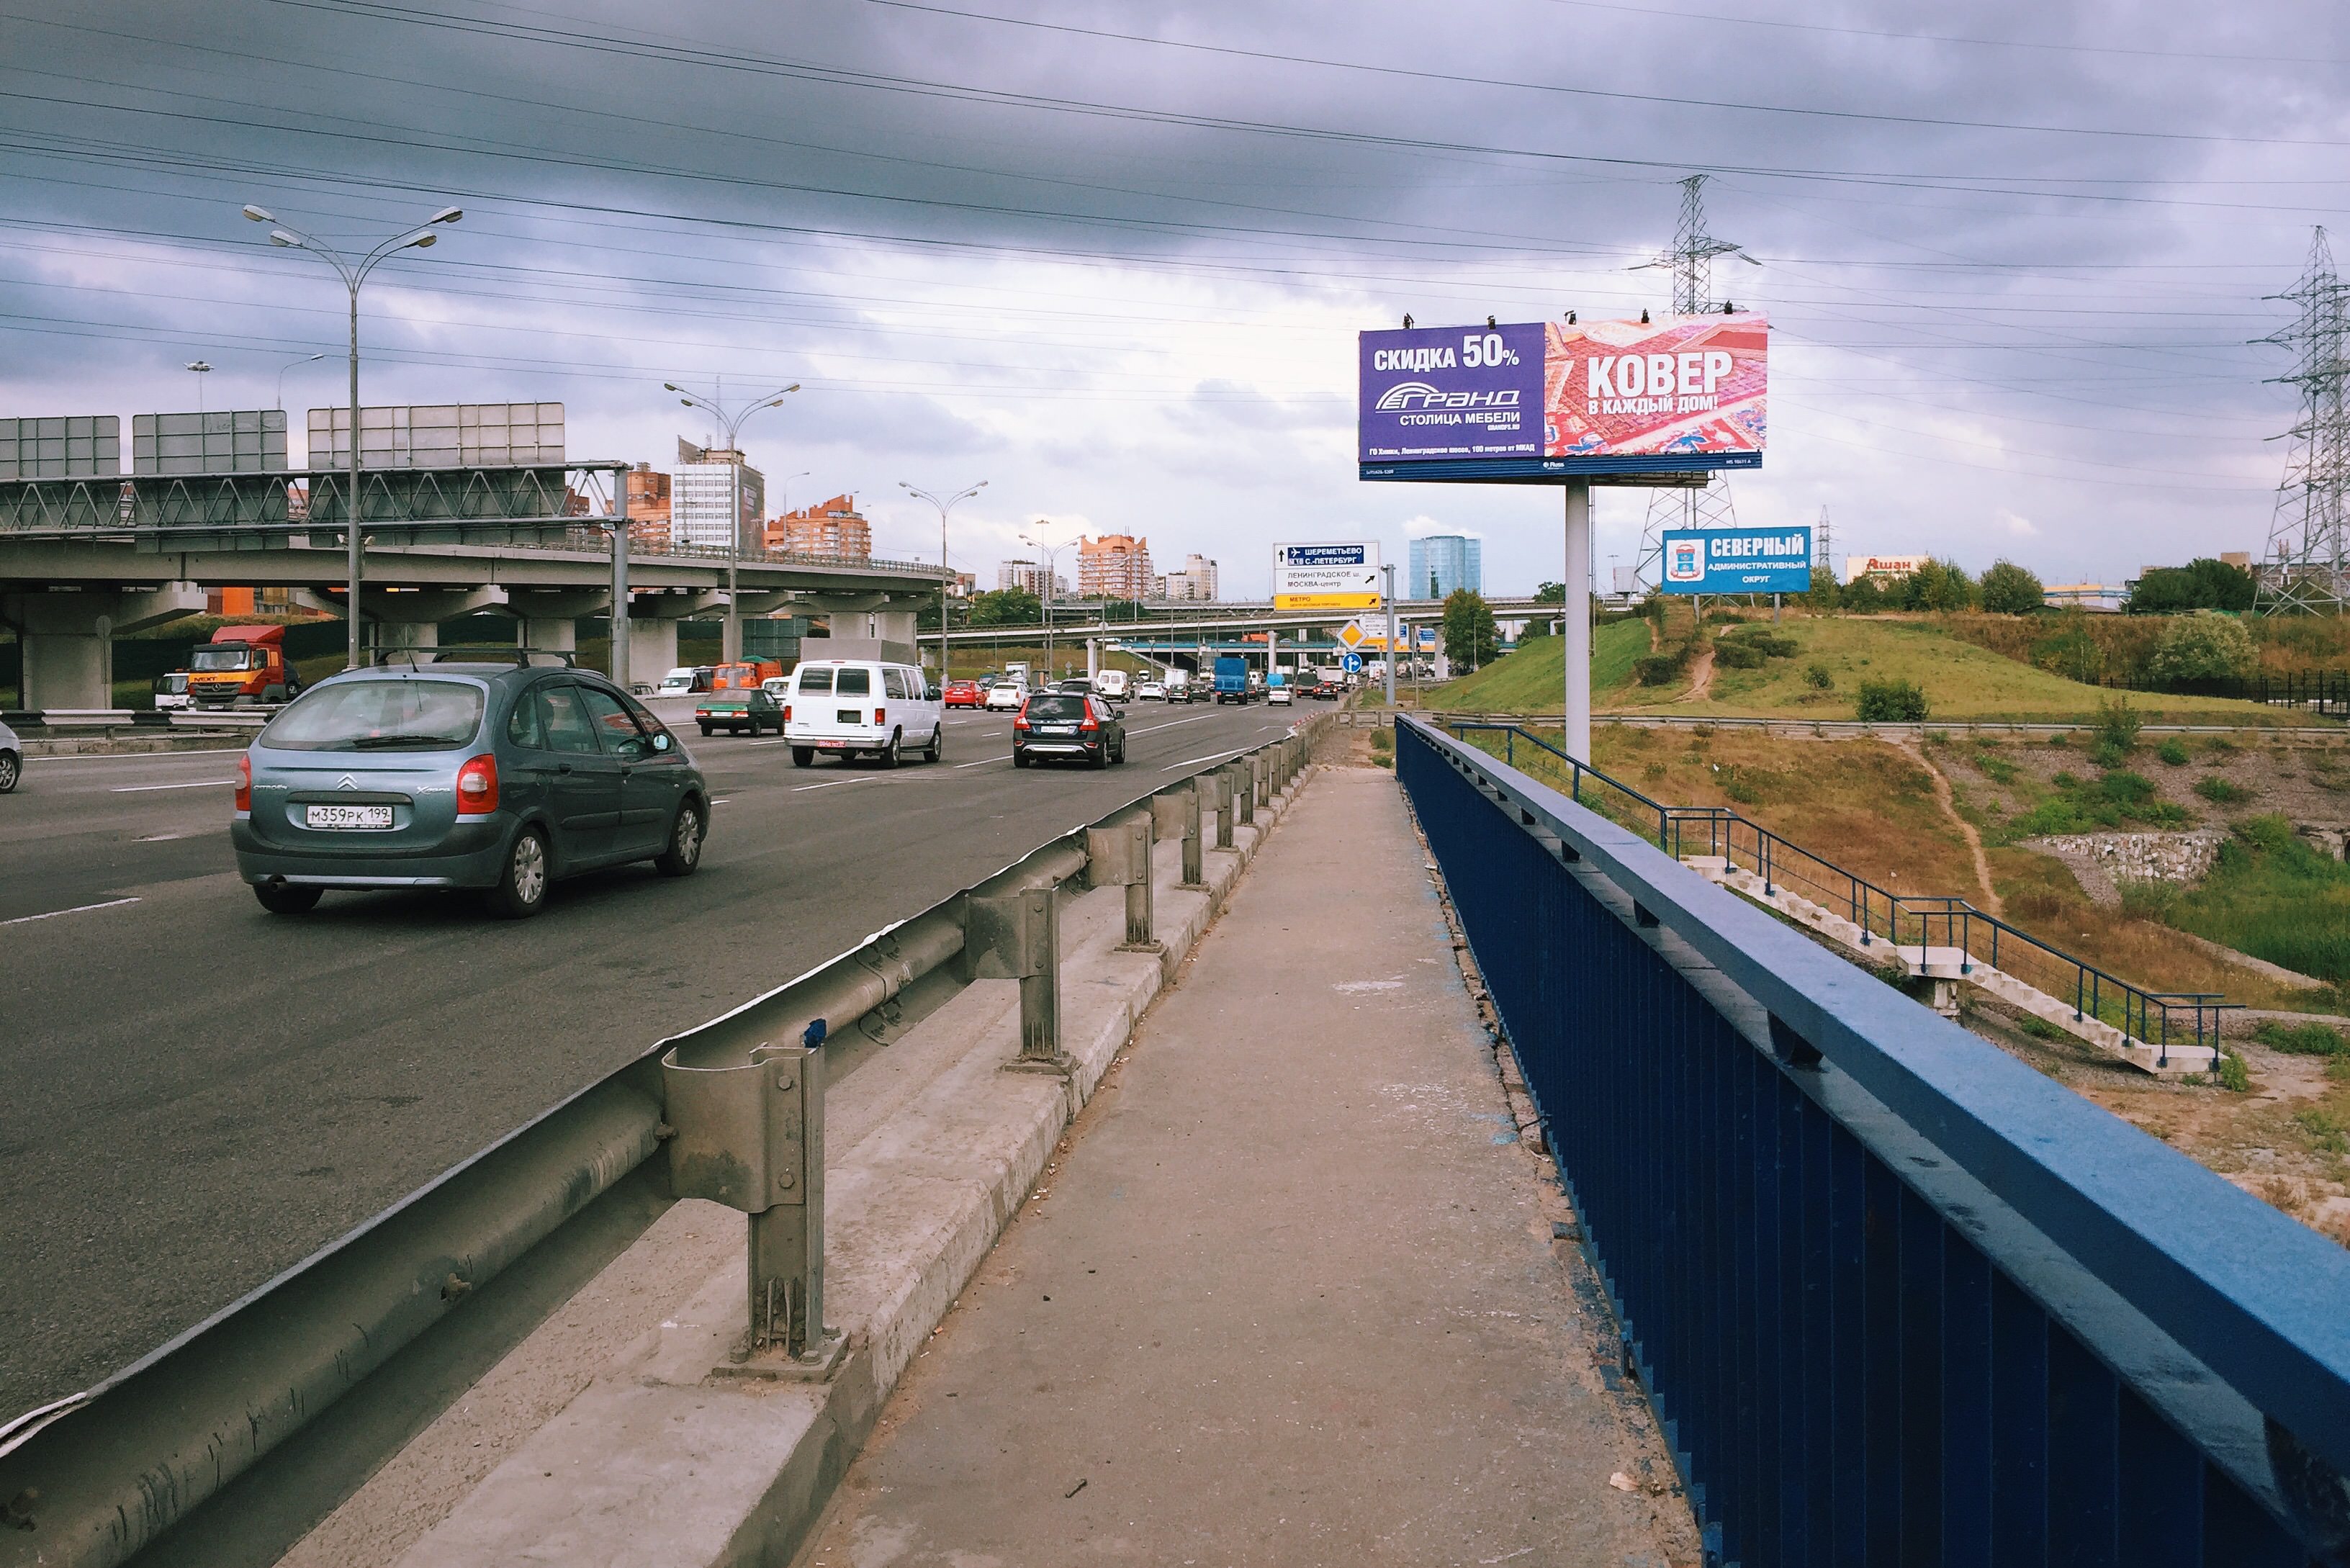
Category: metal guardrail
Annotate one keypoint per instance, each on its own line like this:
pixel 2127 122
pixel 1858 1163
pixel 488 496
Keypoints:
pixel 1895 1296
pixel 91 1480
pixel 1900 920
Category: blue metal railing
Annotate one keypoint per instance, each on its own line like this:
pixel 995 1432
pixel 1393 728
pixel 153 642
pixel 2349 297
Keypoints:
pixel 2158 1018
pixel 1895 1296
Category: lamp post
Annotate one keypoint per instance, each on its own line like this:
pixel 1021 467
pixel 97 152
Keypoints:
pixel 946 572
pixel 354 273
pixel 200 369
pixel 1052 569
pixel 290 364
pixel 731 651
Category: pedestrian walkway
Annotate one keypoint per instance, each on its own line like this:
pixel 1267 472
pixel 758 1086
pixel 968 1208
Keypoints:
pixel 1292 1295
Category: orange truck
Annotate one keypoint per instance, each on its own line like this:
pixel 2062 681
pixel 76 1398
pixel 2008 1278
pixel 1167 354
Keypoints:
pixel 742 677
pixel 242 666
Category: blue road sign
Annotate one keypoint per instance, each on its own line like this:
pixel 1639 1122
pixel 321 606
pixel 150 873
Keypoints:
pixel 1352 664
pixel 1738 561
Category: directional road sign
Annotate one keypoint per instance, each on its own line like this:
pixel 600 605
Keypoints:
pixel 1352 634
pixel 1351 663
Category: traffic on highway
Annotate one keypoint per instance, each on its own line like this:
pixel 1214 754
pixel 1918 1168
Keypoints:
pixel 286 989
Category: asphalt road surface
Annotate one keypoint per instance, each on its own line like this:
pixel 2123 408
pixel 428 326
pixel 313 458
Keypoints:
pixel 199 1093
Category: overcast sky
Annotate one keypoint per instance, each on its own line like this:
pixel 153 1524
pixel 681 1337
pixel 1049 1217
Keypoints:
pixel 1112 257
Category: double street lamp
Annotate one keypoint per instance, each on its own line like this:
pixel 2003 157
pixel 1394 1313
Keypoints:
pixel 731 651
pixel 354 273
pixel 946 572
pixel 1052 567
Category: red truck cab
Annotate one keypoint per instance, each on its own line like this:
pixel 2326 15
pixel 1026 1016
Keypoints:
pixel 242 666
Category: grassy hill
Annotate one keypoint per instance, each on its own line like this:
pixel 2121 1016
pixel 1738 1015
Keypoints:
pixel 1961 679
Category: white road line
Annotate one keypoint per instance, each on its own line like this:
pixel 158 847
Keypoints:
pixel 829 784
pixel 722 800
pixel 1211 757
pixel 192 784
pixel 777 742
pixel 984 761
pixel 1156 727
pixel 76 909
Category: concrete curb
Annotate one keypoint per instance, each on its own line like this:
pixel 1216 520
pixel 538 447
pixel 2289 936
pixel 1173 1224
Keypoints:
pixel 670 1457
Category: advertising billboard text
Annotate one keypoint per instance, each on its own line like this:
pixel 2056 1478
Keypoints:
pixel 1737 561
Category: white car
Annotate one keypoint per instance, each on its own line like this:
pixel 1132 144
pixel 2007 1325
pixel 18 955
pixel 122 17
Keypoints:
pixel 1279 694
pixel 1151 691
pixel 1112 685
pixel 855 707
pixel 678 682
pixel 12 759
pixel 776 686
pixel 1006 696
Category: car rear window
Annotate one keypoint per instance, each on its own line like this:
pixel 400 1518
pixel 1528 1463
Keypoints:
pixel 378 716
pixel 853 683
pixel 1057 707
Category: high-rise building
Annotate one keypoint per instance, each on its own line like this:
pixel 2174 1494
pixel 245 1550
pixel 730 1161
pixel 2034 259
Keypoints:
pixel 1195 583
pixel 706 512
pixel 1031 575
pixel 648 506
pixel 1440 563
pixel 1114 566
pixel 833 529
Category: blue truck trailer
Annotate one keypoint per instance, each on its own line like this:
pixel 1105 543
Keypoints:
pixel 1232 681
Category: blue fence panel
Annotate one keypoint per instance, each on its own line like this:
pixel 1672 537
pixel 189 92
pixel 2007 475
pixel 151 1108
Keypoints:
pixel 1895 1298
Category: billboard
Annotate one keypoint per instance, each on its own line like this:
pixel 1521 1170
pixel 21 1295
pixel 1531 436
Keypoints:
pixel 1542 402
pixel 74 446
pixel 1858 567
pixel 242 441
pixel 1326 576
pixel 1737 561
pixel 441 435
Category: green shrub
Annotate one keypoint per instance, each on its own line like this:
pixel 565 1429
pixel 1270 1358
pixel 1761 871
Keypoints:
pixel 2233 1077
pixel 2203 584
pixel 1737 653
pixel 2009 589
pixel 2218 744
pixel 2219 791
pixel 2040 1028
pixel 1659 669
pixel 1999 770
pixel 2071 651
pixel 2118 724
pixel 1773 644
pixel 2125 788
pixel 2202 646
pixel 2301 1039
pixel 1817 678
pixel 2173 751
pixel 1891 702
pixel 2325 1135
pixel 2059 739
pixel 2108 756
pixel 2065 780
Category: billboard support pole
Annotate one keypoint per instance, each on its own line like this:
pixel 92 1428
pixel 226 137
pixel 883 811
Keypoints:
pixel 1574 621
pixel 617 663
pixel 1390 573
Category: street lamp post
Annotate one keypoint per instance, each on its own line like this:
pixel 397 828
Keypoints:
pixel 732 422
pixel 1052 568
pixel 290 364
pixel 946 572
pixel 353 274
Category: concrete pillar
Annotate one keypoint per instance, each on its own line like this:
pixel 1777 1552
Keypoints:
pixel 67 639
pixel 549 618
pixel 653 649
pixel 1093 656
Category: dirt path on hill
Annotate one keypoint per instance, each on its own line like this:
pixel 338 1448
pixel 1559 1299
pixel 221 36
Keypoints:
pixel 1700 677
pixel 1950 805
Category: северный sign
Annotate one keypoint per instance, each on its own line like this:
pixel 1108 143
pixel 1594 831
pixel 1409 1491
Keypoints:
pixel 1737 561
pixel 1540 402
pixel 1326 576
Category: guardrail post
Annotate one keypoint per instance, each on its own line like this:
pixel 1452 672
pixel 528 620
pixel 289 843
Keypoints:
pixel 1195 875
pixel 1244 789
pixel 1119 856
pixel 1018 936
pixel 1222 782
pixel 751 1135
pixel 1261 778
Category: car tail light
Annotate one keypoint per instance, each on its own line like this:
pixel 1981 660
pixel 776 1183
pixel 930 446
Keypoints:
pixel 1091 722
pixel 787 713
pixel 244 783
pixel 1020 719
pixel 880 717
pixel 477 786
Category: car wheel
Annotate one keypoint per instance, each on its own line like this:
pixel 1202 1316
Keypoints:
pixel 705 731
pixel 803 756
pixel 521 891
pixel 1120 758
pixel 889 753
pixel 1021 759
pixel 284 899
pixel 10 770
pixel 938 746
pixel 685 836
pixel 1101 759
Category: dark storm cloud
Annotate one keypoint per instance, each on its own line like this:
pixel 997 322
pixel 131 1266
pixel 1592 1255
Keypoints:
pixel 870 197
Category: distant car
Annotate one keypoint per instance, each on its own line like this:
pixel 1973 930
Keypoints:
pixel 172 692
pixel 1069 725
pixel 685 680
pixel 775 686
pixel 501 777
pixel 1005 694
pixel 751 710
pixel 1113 684
pixel 964 694
pixel 1076 683
pixel 854 707
pixel 1281 694
pixel 1328 690
pixel 1151 691
pixel 12 759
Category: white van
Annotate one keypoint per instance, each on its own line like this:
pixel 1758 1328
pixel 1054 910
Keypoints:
pixel 855 708
pixel 1112 685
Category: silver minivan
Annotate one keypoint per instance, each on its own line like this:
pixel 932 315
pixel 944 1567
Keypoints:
pixel 861 707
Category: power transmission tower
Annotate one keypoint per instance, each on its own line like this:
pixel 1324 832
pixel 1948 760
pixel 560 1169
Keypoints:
pixel 1691 261
pixel 1823 546
pixel 2305 569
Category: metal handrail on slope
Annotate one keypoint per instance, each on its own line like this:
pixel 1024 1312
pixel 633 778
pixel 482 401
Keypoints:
pixel 92 1478
pixel 1900 920
pixel 1894 1296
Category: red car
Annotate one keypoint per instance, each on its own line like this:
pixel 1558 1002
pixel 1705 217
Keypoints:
pixel 965 694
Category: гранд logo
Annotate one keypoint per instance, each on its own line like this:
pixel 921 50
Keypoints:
pixel 1406 396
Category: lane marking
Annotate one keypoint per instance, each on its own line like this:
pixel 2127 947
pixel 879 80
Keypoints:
pixel 76 909
pixel 722 800
pixel 1211 757
pixel 1154 729
pixel 829 783
pixel 192 784
pixel 984 761
pixel 161 837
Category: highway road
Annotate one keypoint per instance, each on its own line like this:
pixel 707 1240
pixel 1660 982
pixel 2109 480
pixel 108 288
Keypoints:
pixel 198 1093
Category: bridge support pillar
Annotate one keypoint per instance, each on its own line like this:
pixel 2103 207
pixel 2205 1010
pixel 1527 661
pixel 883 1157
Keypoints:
pixel 67 640
pixel 653 649
pixel 550 619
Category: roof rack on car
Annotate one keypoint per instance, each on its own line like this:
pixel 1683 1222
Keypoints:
pixel 501 654
pixel 384 656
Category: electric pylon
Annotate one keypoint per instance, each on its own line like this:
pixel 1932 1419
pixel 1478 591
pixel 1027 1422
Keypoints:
pixel 2304 568
pixel 1691 261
